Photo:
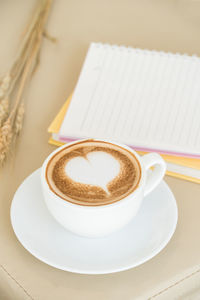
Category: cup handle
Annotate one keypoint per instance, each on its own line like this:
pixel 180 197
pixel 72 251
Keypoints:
pixel 155 177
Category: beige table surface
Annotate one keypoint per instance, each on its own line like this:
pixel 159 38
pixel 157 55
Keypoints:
pixel 154 24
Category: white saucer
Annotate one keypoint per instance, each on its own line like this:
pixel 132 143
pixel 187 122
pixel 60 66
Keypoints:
pixel 146 235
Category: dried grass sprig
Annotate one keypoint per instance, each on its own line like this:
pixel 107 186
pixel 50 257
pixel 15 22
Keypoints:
pixel 6 135
pixel 11 116
pixel 4 110
pixel 19 119
pixel 4 85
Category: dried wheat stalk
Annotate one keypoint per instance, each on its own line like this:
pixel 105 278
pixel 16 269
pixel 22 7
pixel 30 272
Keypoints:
pixel 12 108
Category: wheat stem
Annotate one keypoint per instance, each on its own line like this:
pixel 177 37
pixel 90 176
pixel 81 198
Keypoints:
pixel 16 79
pixel 27 67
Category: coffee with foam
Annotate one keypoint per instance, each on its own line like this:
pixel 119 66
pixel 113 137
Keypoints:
pixel 93 173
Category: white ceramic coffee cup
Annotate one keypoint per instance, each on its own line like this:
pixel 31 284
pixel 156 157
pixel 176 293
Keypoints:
pixel 98 221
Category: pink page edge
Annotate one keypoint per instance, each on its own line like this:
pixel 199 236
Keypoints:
pixel 71 139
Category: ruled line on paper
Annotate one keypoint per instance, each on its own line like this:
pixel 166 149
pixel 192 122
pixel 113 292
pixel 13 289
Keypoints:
pixel 102 57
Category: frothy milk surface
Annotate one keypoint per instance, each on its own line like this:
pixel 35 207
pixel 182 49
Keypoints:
pixel 97 168
pixel 93 173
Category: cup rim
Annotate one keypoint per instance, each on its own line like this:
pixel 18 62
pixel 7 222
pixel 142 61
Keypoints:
pixel 116 203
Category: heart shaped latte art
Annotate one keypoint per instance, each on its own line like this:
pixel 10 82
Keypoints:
pixel 97 168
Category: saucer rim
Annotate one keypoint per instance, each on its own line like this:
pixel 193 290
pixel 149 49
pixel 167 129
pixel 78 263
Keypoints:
pixel 95 272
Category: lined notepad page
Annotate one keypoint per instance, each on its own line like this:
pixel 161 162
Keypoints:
pixel 143 98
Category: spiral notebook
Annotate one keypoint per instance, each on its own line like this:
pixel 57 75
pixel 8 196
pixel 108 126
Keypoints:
pixel 147 99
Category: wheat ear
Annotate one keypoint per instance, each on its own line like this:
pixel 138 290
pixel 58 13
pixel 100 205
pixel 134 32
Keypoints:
pixel 6 135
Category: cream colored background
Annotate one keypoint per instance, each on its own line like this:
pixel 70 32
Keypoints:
pixel 169 25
